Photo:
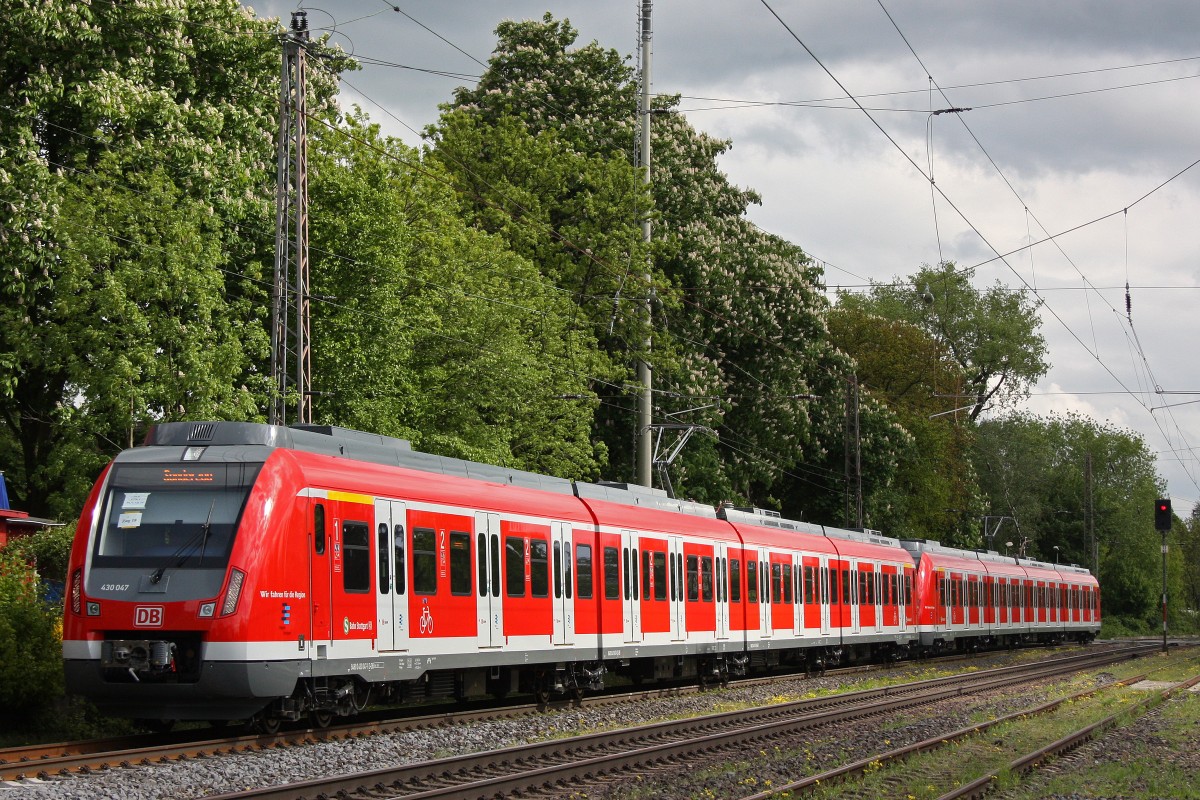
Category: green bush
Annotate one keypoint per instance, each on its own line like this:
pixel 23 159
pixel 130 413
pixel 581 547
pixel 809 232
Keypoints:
pixel 31 675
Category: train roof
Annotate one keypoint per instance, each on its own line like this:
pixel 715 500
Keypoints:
pixel 1015 565
pixel 377 449
pixel 334 441
pixel 772 520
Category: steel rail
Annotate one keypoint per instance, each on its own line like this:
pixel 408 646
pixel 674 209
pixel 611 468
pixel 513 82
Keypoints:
pixel 530 767
pixel 62 758
pixel 1030 761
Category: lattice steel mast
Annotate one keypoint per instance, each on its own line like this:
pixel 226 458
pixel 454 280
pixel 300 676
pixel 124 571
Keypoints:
pixel 290 291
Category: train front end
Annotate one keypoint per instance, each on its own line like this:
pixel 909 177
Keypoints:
pixel 156 620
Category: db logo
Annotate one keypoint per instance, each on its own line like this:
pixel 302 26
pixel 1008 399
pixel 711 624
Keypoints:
pixel 148 616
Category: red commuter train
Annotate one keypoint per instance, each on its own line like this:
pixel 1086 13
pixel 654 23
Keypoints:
pixel 230 571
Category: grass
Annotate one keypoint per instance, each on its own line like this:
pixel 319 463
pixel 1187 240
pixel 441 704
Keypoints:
pixel 1143 770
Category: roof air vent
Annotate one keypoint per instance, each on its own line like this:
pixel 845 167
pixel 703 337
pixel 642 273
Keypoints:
pixel 202 432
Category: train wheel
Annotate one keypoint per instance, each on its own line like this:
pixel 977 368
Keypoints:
pixel 321 719
pixel 266 725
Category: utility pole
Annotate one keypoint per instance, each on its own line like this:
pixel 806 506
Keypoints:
pixel 1091 513
pixel 291 234
pixel 645 379
pixel 853 448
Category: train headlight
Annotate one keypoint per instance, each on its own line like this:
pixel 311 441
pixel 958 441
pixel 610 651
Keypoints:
pixel 236 578
pixel 93 608
pixel 208 609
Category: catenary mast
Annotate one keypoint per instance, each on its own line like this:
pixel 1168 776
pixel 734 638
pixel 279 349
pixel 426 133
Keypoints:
pixel 291 235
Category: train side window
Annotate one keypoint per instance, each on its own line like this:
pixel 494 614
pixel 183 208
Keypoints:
pixel 833 586
pixel 384 547
pixel 583 571
pixel 539 568
pixel 625 572
pixel 706 579
pixel 722 588
pixel 908 590
pixel 557 571
pixel 847 589
pixel 941 589
pixel 787 583
pixel 735 580
pixel 674 579
pixel 693 578
pixel 460 562
pixel 808 586
pixel 751 581
pixel 633 579
pixel 514 566
pixel 424 556
pixel 612 576
pixel 356 557
pixel 568 581
pixel 495 556
pixel 401 566
pixel 776 588
pixel 660 576
pixel 319 528
pixel 481 565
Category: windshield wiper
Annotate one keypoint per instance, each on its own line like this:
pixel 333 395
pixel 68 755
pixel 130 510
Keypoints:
pixel 183 553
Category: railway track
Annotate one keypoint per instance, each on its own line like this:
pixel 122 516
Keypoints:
pixel 45 760
pixel 562 765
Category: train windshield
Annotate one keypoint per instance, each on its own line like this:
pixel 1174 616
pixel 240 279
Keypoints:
pixel 172 517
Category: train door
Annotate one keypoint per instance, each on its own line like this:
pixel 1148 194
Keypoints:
pixel 840 608
pixel 827 596
pixel 877 596
pixel 320 579
pixel 852 613
pixel 391 599
pixel 721 589
pixel 631 607
pixel 798 594
pixel 564 618
pixel 675 595
pixel 765 629
pixel 487 568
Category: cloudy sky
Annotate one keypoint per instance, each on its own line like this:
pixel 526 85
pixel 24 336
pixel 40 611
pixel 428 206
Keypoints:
pixel 1080 140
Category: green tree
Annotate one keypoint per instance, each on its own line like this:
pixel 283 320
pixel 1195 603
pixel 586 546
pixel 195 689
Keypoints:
pixel 1033 469
pixel 432 330
pixel 539 150
pixel 136 168
pixel 542 149
pixel 992 334
pixel 935 492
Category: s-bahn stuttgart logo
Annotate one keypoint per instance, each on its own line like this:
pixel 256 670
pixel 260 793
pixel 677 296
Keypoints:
pixel 147 616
